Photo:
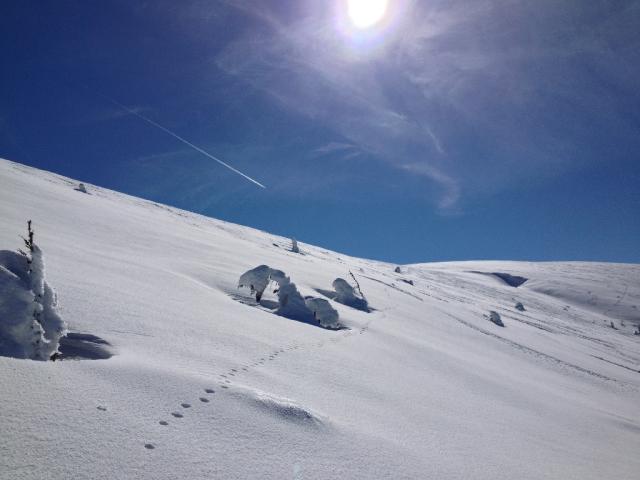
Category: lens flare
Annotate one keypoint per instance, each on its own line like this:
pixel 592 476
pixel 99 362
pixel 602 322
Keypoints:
pixel 366 13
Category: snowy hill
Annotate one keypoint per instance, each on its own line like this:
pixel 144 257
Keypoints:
pixel 202 382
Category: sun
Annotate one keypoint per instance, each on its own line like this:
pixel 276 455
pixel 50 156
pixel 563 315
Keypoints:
pixel 366 13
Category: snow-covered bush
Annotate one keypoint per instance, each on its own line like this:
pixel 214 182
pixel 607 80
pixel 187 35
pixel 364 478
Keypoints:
pixel 82 188
pixel 347 295
pixel 291 304
pixel 257 279
pixel 30 327
pixel 279 277
pixel 294 246
pixel 520 307
pixel 398 270
pixel 495 318
pixel 323 312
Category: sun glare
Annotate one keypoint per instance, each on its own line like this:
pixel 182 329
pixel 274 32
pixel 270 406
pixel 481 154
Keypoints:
pixel 366 13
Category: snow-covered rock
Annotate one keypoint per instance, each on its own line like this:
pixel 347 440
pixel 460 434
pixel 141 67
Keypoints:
pixel 494 317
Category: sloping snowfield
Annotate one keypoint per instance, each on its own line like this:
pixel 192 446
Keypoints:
pixel 423 386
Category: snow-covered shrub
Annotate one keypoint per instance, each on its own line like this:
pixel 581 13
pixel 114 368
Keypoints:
pixel 346 295
pixel 291 304
pixel 30 327
pixel 294 246
pixel 323 312
pixel 257 279
pixel 279 277
pixel 520 307
pixel 398 270
pixel 344 291
pixel 82 188
pixel 495 318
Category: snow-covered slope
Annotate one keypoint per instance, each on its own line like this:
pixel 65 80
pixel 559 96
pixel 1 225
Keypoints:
pixel 423 386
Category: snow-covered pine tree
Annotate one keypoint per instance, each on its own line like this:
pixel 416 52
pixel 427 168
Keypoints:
pixel 30 327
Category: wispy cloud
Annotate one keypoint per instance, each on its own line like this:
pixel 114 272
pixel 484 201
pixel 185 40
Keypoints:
pixel 471 95
pixel 309 70
pixel 345 150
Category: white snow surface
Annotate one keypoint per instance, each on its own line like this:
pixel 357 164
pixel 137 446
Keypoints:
pixel 423 386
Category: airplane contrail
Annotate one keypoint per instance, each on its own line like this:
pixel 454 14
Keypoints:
pixel 178 137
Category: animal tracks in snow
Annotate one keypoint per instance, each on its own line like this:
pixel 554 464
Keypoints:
pixel 225 379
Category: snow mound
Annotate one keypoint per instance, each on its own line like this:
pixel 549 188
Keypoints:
pixel 511 280
pixel 284 408
pixel 84 346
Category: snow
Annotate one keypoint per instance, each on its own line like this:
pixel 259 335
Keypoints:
pixel 421 386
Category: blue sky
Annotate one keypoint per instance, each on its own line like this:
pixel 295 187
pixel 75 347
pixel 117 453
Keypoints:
pixel 452 130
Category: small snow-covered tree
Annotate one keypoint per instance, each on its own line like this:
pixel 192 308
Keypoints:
pixel 82 188
pixel 291 304
pixel 520 307
pixel 256 279
pixel 294 246
pixel 279 277
pixel 398 270
pixel 346 294
pixel 344 291
pixel 30 327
